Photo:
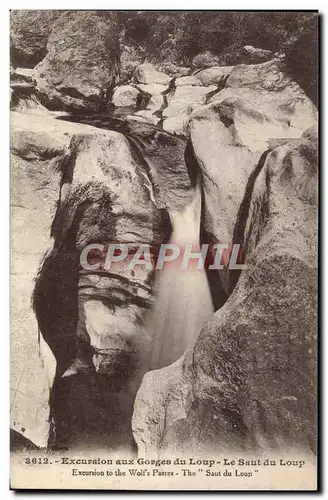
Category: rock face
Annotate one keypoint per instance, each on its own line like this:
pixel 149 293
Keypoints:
pixel 22 75
pixel 37 146
pixel 258 104
pixel 107 189
pixel 24 96
pixel 28 104
pixel 264 336
pixel 256 54
pixel 125 96
pixel 29 32
pixel 213 75
pixel 76 75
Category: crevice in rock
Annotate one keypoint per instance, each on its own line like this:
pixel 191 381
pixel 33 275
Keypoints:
pixel 195 172
pixel 142 99
pixel 159 113
pixel 242 216
pixel 72 92
pixel 220 86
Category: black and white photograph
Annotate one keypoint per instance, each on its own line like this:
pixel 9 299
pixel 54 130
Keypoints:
pixel 164 249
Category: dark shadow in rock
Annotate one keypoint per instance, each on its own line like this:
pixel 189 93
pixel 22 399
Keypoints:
pixel 21 60
pixel 217 291
pixel 242 216
pixel 192 164
pixel 55 293
pixel 220 86
pixel 142 99
pixel 18 442
pixel 89 409
pixel 159 113
pixel 89 412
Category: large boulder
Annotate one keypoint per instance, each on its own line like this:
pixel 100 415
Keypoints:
pixel 226 163
pixel 131 57
pixel 82 61
pixel 22 75
pixel 302 56
pixel 259 104
pixel 29 33
pixel 147 73
pixel 177 125
pixel 270 77
pixel 249 383
pixel 213 75
pixel 37 146
pixel 174 184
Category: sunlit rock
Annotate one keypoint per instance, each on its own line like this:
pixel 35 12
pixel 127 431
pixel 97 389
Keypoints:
pixel 76 75
pixel 125 96
pixel 146 73
pixel 216 396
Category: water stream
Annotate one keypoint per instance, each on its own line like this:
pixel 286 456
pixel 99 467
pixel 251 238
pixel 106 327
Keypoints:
pixel 183 300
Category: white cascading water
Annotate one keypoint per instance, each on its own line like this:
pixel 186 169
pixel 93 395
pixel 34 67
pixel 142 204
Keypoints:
pixel 183 300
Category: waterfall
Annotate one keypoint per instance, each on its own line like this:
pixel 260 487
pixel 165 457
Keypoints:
pixel 182 297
